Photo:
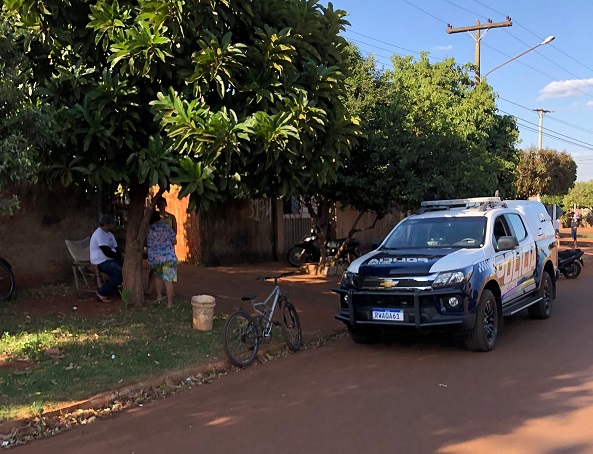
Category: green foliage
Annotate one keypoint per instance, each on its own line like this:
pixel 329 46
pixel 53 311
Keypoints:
pixel 553 200
pixel 429 133
pixel 581 194
pixel 23 125
pixel 546 172
pixel 249 92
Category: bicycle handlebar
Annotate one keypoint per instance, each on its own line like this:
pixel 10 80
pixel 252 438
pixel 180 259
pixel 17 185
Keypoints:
pixel 275 278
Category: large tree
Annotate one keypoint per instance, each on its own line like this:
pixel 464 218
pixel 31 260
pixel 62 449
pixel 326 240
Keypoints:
pixel 428 133
pixel 545 172
pixel 580 195
pixel 236 97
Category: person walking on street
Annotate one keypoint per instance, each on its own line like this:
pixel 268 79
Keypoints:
pixel 105 254
pixel 161 256
pixel 574 224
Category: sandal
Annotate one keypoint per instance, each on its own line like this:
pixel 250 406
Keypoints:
pixel 102 298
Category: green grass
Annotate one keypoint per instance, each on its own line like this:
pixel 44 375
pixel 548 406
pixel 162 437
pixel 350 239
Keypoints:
pixel 101 353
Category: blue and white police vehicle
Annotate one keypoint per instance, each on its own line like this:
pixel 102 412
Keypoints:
pixel 463 264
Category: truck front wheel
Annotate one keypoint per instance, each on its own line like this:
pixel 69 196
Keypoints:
pixel 483 336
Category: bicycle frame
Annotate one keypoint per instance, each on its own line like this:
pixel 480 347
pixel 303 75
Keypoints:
pixel 263 308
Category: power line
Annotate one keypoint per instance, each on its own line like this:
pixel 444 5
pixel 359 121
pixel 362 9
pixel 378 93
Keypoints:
pixel 425 12
pixel 384 42
pixel 526 44
pixel 465 9
pixel 560 139
pixel 566 123
pixel 537 36
pixel 541 72
pixel 587 144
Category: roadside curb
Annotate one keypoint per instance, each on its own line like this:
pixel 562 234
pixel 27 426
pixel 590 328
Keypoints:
pixel 211 370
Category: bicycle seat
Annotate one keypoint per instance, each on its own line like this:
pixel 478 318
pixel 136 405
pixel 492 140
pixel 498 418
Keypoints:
pixel 248 297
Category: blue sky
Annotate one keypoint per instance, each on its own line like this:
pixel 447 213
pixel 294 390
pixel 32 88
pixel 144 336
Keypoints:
pixel 557 76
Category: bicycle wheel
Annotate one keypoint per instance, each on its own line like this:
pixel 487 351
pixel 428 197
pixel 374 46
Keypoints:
pixel 6 281
pixel 241 339
pixel 290 325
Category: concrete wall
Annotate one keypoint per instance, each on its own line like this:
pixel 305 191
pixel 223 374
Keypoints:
pixel 33 239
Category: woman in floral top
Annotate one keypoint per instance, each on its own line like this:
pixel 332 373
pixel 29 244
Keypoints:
pixel 162 260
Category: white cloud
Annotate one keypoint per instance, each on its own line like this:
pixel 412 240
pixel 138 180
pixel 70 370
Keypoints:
pixel 566 88
pixel 449 47
pixel 589 104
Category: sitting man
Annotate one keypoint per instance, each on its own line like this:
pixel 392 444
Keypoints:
pixel 106 256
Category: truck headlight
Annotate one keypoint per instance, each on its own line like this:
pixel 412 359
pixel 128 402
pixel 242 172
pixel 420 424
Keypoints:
pixel 349 279
pixel 452 277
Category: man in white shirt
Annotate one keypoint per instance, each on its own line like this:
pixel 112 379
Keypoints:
pixel 106 256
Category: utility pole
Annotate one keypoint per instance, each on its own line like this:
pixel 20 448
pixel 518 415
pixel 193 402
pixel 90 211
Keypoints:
pixel 479 36
pixel 541 113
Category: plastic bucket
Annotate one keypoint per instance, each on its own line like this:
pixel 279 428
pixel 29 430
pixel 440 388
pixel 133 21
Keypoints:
pixel 203 311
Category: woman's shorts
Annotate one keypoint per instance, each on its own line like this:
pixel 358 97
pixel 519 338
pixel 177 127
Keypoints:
pixel 166 271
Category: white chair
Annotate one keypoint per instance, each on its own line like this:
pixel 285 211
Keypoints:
pixel 87 277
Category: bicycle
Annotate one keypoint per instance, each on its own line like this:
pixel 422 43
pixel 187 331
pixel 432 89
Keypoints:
pixel 242 332
pixel 6 280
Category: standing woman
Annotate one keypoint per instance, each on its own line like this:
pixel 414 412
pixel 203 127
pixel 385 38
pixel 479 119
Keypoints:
pixel 574 225
pixel 162 260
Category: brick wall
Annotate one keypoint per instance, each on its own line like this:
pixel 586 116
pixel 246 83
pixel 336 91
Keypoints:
pixel 33 239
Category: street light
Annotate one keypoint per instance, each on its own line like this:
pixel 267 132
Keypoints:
pixel 548 40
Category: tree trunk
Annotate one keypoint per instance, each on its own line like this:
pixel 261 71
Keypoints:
pixel 136 229
pixel 321 223
pixel 353 230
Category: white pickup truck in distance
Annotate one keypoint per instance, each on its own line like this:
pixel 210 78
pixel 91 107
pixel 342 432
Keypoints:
pixel 462 264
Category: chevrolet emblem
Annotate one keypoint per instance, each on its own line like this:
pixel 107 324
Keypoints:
pixel 389 284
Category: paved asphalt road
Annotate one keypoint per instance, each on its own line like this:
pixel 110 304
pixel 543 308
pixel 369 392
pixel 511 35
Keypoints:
pixel 532 394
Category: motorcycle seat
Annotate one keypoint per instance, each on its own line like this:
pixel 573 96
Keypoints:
pixel 249 297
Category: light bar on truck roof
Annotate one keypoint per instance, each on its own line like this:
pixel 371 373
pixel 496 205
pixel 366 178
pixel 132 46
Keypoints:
pixel 460 202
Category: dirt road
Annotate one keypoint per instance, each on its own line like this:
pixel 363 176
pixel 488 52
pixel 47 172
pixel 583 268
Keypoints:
pixel 532 394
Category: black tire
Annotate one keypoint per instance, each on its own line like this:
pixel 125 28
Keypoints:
pixel 297 256
pixel 543 308
pixel 363 335
pixel 483 336
pixel 290 325
pixel 6 282
pixel 573 270
pixel 241 339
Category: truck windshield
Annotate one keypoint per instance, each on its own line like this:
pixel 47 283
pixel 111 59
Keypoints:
pixel 444 232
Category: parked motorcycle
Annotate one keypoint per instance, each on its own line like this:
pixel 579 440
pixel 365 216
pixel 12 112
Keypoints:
pixel 6 280
pixel 307 251
pixel 570 263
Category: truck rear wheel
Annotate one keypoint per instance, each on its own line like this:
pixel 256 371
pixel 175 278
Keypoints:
pixel 543 308
pixel 483 336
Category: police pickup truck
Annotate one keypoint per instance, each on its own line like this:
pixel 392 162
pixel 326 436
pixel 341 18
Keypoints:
pixel 463 264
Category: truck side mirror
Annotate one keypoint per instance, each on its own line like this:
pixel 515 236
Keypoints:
pixel 375 245
pixel 507 243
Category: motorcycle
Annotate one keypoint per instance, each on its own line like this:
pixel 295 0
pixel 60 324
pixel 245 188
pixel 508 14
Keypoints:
pixel 308 251
pixel 6 280
pixel 570 263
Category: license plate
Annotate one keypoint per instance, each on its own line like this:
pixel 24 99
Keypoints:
pixel 388 314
